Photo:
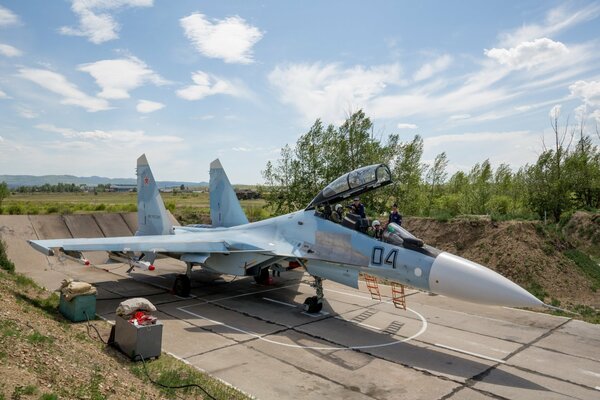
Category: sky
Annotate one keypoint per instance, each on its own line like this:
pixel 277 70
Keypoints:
pixel 86 86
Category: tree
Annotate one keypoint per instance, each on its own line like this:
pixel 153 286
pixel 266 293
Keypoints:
pixel 436 176
pixel 4 192
pixel 408 171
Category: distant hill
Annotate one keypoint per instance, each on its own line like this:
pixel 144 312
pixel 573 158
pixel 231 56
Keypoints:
pixel 15 181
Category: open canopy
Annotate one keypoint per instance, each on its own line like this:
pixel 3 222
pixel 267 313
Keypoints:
pixel 353 183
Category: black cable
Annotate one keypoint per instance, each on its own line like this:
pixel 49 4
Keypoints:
pixel 167 386
pixel 89 324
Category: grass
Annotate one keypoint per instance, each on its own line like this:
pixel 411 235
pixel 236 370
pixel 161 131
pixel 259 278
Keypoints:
pixel 171 372
pixel 587 265
pixel 5 262
pixel 23 391
pixel 38 338
pixel 49 396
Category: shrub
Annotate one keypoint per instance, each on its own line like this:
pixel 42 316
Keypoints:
pixel 5 263
pixel 15 209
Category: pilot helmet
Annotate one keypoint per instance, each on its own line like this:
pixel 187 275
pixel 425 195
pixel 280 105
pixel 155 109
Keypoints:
pixel 338 207
pixel 376 223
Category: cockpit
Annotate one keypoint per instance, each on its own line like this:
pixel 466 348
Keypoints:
pixel 399 236
pixel 353 183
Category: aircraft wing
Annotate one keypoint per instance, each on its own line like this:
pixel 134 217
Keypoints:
pixel 157 244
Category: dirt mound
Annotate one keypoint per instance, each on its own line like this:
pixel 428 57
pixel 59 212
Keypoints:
pixel 523 251
pixel 583 231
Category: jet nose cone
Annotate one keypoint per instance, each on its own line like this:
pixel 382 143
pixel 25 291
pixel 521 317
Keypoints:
pixel 457 277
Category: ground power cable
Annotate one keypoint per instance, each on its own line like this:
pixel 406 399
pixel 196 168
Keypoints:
pixel 110 342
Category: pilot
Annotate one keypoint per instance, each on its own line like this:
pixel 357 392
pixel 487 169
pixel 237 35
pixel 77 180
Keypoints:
pixel 377 230
pixel 395 216
pixel 358 208
pixel 338 214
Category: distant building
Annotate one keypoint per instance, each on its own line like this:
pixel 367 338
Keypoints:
pixel 121 187
pixel 247 194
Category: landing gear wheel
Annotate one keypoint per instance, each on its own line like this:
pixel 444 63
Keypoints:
pixel 313 305
pixel 262 277
pixel 182 286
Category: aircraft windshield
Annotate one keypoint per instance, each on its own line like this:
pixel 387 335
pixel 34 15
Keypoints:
pixel 353 183
pixel 399 236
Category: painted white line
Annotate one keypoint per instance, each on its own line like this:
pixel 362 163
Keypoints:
pixel 296 346
pixel 359 323
pixel 315 315
pixel 279 302
pixel 236 296
pixel 470 353
pixel 591 373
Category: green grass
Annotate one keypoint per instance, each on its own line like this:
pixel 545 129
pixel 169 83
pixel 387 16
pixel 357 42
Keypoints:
pixel 38 338
pixel 171 372
pixel 23 390
pixel 49 396
pixel 91 390
pixel 8 328
pixel 537 290
pixel 587 265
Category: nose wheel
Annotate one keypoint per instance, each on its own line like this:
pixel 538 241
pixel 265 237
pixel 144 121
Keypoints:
pixel 314 304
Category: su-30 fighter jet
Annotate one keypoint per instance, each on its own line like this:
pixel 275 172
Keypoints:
pixel 327 250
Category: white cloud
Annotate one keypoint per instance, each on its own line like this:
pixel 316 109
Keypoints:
pixel 460 116
pixel 330 91
pixel 596 116
pixel 555 111
pixel 95 21
pixel 122 136
pixel 26 112
pixel 242 149
pixel 529 54
pixel 230 39
pixel 208 85
pixel 428 70
pixel 147 106
pixel 3 95
pixel 589 92
pixel 7 17
pixel 58 84
pixel 1 139
pixel 515 148
pixel 118 77
pixel 557 20
pixel 407 126
pixel 9 51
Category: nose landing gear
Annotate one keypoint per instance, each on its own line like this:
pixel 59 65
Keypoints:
pixel 314 304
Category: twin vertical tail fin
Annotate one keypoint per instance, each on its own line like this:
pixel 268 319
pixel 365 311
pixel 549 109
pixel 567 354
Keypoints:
pixel 225 208
pixel 152 215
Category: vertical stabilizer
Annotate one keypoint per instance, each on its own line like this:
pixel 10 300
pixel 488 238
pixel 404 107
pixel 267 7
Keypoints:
pixel 225 208
pixel 152 215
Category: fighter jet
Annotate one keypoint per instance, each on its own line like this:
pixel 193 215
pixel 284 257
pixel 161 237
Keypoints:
pixel 306 238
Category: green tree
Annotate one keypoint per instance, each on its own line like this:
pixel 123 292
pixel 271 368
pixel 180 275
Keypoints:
pixel 436 176
pixel 408 172
pixel 4 192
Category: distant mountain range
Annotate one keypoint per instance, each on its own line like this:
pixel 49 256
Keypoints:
pixel 14 181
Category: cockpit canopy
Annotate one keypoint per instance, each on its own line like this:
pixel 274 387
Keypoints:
pixel 397 235
pixel 353 183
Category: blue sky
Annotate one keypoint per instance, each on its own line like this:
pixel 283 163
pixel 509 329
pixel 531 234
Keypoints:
pixel 86 86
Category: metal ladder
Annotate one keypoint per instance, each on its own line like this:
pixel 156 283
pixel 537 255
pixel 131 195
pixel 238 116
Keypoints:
pixel 373 287
pixel 398 296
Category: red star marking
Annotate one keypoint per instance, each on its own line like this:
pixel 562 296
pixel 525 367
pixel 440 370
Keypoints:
pixel 146 180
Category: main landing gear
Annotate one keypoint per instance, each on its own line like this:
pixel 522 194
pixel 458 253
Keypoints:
pixel 262 277
pixel 314 304
pixel 183 283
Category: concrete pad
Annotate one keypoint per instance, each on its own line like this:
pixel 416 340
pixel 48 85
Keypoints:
pixel 262 375
pixel 131 219
pixel 500 382
pixel 85 226
pixel 502 326
pixel 355 370
pixel 112 225
pixel 14 231
pixel 565 367
pixel 468 394
pixel 577 338
pixel 50 226
pixel 229 324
